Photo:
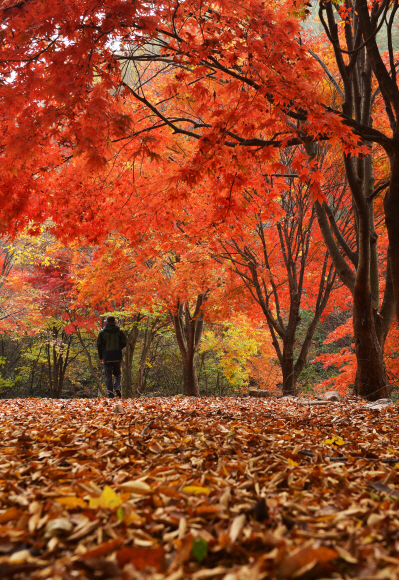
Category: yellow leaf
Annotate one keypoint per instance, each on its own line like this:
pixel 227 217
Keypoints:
pixel 196 490
pixel 292 463
pixel 71 502
pixel 397 465
pixel 335 440
pixel 108 499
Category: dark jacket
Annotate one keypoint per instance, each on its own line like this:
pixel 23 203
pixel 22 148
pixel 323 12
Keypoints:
pixel 110 342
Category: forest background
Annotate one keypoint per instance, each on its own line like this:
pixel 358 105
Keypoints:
pixel 217 178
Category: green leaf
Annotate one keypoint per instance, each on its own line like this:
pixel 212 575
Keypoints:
pixel 119 514
pixel 199 549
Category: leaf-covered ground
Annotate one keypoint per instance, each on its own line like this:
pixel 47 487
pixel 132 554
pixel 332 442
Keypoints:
pixel 236 489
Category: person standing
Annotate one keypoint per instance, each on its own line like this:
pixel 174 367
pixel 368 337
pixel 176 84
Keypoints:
pixel 110 343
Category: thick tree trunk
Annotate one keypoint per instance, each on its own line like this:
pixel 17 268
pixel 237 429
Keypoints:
pixel 371 379
pixel 391 209
pixel 370 326
pixel 288 370
pixel 188 329
pixel 190 386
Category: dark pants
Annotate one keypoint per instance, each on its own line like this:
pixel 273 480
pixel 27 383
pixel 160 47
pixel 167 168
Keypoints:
pixel 112 368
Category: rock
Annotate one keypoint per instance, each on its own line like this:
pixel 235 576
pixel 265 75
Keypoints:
pixel 379 404
pixel 332 396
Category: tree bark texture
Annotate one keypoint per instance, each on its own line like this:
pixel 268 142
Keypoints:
pixel 131 333
pixel 391 207
pixel 57 350
pixel 149 335
pixel 188 329
pixel 371 322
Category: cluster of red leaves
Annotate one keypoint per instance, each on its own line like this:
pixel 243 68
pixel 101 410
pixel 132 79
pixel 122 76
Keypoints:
pixel 181 488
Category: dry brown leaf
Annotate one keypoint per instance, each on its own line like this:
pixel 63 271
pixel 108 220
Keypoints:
pixel 250 480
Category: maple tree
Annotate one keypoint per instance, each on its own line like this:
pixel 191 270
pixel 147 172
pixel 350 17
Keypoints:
pixel 166 279
pixel 85 116
pixel 160 286
pixel 108 96
pixel 358 264
pixel 47 331
pixel 285 268
pixel 53 287
pixel 357 52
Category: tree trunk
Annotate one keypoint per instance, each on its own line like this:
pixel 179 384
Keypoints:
pixel 127 359
pixel 391 209
pixel 100 388
pixel 188 329
pixel 371 379
pixel 57 360
pixel 149 335
pixel 288 370
pixel 139 384
pixel 250 262
pixel 127 366
pixel 370 327
pixel 190 386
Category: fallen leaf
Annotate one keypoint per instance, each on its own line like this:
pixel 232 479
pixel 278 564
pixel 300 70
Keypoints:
pixel 142 558
pixel 236 527
pixel 108 499
pixel 303 560
pixel 10 515
pixel 138 487
pixel 345 555
pixel 196 490
pixel 183 552
pixel 57 527
pixel 71 502
pixel 103 549
pixel 335 440
pixel 199 549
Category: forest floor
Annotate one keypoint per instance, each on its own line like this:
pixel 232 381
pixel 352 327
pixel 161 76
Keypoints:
pixel 224 488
